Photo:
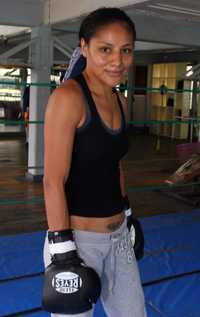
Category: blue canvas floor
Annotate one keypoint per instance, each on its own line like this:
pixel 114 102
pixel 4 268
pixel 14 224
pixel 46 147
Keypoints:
pixel 170 270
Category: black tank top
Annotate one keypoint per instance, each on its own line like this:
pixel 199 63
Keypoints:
pixel 93 185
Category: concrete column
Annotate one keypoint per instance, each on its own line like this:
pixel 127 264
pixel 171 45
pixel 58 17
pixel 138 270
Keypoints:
pixel 41 59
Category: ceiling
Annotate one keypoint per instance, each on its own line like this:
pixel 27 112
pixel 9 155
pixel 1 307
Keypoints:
pixel 164 28
pixel 179 10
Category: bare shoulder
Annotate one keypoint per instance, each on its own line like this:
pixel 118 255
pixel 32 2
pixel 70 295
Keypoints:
pixel 66 101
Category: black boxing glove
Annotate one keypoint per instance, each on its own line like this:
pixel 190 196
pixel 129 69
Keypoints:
pixel 135 228
pixel 70 287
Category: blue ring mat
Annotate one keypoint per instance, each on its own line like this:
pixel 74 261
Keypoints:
pixel 171 266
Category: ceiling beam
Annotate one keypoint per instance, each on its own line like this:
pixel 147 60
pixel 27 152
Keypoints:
pixel 21 12
pixel 14 50
pixel 149 27
pixel 62 50
pixel 160 30
pixel 145 57
pixel 67 48
pixel 62 10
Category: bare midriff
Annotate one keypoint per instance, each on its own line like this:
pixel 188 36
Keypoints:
pixel 107 224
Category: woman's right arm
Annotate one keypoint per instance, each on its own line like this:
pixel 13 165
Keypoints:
pixel 62 117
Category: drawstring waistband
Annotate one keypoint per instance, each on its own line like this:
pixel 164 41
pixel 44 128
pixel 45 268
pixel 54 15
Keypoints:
pixel 99 237
pixel 114 240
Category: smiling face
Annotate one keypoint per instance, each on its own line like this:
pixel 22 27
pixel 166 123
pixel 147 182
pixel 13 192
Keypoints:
pixel 109 53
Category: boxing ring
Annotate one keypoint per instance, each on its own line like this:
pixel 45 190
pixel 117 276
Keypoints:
pixel 170 269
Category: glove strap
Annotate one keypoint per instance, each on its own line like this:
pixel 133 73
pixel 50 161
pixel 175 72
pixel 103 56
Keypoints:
pixel 61 242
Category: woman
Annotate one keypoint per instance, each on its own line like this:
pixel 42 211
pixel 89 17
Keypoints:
pixel 85 139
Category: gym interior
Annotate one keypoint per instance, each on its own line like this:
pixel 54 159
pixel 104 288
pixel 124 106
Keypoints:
pixel 162 167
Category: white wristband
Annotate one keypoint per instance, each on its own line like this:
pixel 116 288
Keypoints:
pixel 62 247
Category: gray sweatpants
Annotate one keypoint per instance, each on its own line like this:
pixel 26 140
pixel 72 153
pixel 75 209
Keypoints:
pixel 112 256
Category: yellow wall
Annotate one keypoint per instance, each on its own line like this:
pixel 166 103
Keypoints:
pixel 168 74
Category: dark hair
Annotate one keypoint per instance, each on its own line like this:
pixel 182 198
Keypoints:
pixel 102 17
